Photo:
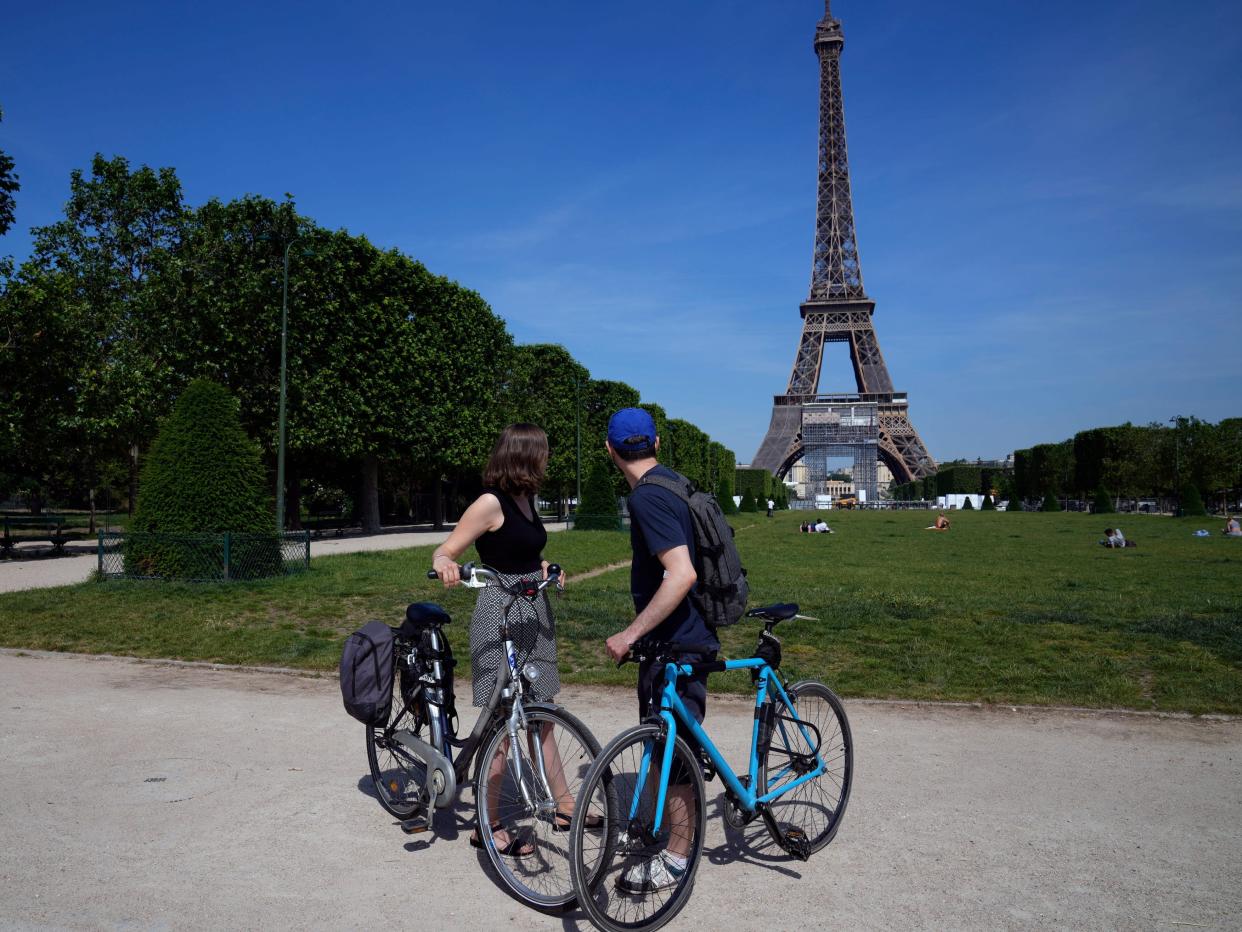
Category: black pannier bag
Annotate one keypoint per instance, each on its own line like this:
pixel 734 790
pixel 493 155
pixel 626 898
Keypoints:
pixel 367 673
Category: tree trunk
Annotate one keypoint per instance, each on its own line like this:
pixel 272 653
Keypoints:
pixel 133 477
pixel 293 498
pixel 438 516
pixel 368 509
pixel 91 529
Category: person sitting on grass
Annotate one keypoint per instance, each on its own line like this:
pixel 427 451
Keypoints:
pixel 1232 528
pixel 1113 538
pixel 940 524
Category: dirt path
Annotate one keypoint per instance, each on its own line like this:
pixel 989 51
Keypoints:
pixel 156 796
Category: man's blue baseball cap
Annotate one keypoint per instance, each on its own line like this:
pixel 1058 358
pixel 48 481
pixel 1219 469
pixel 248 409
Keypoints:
pixel 631 429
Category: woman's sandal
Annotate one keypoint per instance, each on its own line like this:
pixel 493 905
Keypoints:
pixel 594 821
pixel 516 848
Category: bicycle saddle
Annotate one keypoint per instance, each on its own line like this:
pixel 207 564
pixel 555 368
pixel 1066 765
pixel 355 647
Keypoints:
pixel 425 615
pixel 778 612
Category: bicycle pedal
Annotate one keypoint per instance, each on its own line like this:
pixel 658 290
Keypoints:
pixel 415 827
pixel 797 844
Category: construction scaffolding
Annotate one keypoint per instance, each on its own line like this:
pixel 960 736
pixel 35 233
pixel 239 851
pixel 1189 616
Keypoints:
pixel 841 426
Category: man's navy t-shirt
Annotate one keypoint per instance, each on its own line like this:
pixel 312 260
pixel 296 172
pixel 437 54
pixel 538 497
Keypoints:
pixel 659 521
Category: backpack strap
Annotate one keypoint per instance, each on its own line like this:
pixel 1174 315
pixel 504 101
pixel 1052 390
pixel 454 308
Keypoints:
pixel 678 484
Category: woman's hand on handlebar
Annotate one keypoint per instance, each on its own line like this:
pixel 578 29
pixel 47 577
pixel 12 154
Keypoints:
pixel 554 569
pixel 446 568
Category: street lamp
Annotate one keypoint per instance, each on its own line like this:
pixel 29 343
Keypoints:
pixel 1176 421
pixel 284 340
pixel 578 435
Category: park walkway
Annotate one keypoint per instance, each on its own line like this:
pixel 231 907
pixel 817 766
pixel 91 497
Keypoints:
pixel 43 572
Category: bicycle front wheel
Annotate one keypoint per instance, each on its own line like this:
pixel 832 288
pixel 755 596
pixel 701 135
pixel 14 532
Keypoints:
pixel 525 793
pixel 813 726
pixel 398 775
pixel 627 870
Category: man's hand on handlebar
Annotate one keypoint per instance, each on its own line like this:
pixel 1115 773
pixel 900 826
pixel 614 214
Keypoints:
pixel 619 646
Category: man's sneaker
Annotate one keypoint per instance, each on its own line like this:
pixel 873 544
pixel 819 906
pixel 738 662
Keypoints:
pixel 656 873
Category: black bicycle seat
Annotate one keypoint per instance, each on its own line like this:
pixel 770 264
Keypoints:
pixel 425 615
pixel 778 612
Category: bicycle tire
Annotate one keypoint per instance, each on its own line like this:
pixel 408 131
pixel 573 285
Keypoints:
pixel 541 879
pixel 398 776
pixel 816 807
pixel 599 858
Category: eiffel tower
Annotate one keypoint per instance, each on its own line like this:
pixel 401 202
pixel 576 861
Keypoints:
pixel 838 310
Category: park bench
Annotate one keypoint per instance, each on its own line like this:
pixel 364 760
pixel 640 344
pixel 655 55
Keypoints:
pixel 327 518
pixel 18 528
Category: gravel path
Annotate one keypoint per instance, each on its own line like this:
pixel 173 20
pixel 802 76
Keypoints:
pixel 152 796
pixel 38 570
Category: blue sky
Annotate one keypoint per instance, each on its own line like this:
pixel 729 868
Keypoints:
pixel 1048 197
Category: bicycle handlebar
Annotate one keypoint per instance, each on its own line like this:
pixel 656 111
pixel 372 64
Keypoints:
pixel 480 576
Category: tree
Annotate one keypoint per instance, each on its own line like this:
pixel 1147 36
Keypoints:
pixel 1050 503
pixel 748 502
pixel 202 475
pixel 725 497
pixel 1192 502
pixel 967 505
pixel 8 188
pixel 598 510
pixel 1102 504
pixel 988 504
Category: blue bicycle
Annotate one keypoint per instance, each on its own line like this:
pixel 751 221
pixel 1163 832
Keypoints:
pixel 633 857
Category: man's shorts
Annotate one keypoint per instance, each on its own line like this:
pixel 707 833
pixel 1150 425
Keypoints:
pixel 692 690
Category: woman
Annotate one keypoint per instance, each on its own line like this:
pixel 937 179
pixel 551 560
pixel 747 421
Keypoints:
pixel 505 529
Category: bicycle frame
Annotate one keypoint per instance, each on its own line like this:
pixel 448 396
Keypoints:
pixel 673 710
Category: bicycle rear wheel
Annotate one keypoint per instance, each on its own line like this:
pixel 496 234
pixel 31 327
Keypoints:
pixel 529 803
pixel 814 725
pixel 621 875
pixel 398 775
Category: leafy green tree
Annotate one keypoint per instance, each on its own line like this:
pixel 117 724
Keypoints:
pixel 202 475
pixel 598 510
pixel 8 188
pixel 1102 504
pixel 1050 503
pixel 1191 501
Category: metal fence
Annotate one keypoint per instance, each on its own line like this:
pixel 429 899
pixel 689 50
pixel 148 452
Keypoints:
pixel 223 557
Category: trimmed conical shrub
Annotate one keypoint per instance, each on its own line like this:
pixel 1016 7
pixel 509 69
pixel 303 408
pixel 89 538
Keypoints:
pixel 1103 504
pixel 968 505
pixel 598 510
pixel 727 504
pixel 202 476
pixel 748 502
pixel 1192 501
pixel 988 504
pixel 1050 503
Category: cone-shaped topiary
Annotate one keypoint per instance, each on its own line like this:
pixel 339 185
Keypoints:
pixel 1192 501
pixel 1102 505
pixel 202 476
pixel 988 504
pixel 1050 503
pixel 968 505
pixel 598 510
pixel 748 502
pixel 724 498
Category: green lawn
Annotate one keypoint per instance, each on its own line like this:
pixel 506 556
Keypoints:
pixel 1003 608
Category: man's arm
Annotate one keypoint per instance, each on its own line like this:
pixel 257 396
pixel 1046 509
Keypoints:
pixel 679 579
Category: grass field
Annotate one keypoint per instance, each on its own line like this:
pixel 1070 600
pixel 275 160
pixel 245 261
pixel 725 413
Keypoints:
pixel 1022 608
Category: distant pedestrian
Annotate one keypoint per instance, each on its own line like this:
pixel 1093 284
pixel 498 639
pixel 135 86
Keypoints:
pixel 771 505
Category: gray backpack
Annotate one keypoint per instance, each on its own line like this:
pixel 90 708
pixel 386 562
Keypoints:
pixel 367 673
pixel 721 592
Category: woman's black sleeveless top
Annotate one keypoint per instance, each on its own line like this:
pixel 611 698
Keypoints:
pixel 518 546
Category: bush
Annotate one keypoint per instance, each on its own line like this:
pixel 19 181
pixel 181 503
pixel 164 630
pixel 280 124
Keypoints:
pixel 748 502
pixel 727 504
pixel 988 504
pixel 1103 504
pixel 598 510
pixel 202 476
pixel 967 505
pixel 1191 502
pixel 1050 503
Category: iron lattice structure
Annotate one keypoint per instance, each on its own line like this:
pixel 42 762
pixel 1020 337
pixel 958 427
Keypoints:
pixel 838 309
pixel 841 425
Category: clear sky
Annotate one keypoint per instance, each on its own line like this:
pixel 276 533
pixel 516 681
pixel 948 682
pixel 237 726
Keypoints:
pixel 1048 196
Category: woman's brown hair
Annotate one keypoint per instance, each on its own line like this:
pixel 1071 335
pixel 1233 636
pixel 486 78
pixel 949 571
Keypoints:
pixel 518 460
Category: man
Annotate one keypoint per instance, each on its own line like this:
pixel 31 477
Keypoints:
pixel 661 576
pixel 821 526
pixel 771 505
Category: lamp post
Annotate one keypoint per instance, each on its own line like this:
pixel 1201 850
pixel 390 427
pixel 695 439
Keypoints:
pixel 284 340
pixel 578 436
pixel 1176 421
